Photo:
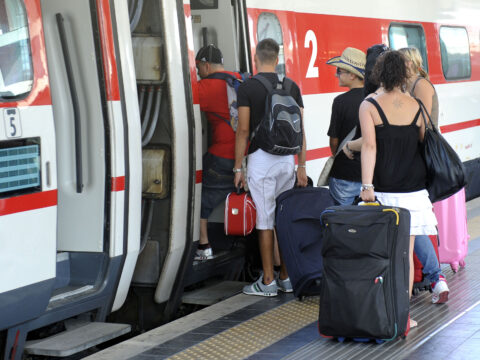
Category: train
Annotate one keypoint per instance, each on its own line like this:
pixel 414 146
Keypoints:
pixel 102 139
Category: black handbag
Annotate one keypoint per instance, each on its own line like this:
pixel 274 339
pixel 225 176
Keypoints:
pixel 445 171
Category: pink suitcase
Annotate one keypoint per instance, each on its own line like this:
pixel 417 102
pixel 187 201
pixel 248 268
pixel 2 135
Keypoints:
pixel 451 215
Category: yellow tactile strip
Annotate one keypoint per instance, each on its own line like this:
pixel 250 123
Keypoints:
pixel 249 337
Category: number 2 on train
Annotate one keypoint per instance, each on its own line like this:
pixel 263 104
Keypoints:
pixel 312 71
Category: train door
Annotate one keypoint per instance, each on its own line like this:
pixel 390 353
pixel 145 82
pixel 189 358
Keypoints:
pixel 221 23
pixel 83 153
pixel 28 194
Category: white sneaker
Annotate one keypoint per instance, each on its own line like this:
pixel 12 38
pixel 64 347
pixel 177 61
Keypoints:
pixel 440 291
pixel 205 254
pixel 285 285
pixel 260 289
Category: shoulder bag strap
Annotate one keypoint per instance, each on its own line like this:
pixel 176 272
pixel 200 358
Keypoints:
pixel 424 111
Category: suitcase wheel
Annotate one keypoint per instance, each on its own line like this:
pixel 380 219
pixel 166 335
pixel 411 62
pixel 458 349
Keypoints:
pixel 361 340
pixel 341 339
pixel 379 341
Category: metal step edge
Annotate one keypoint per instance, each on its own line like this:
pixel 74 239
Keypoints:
pixel 73 341
pixel 201 297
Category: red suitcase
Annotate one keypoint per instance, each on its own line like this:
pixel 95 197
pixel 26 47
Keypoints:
pixel 240 214
pixel 418 280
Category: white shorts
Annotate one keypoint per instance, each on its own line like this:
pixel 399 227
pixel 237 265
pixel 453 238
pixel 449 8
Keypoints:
pixel 267 177
pixel 422 217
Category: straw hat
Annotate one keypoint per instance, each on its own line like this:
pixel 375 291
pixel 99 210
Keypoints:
pixel 352 60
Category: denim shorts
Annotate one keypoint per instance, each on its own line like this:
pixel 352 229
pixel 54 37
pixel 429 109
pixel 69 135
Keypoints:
pixel 343 191
pixel 217 182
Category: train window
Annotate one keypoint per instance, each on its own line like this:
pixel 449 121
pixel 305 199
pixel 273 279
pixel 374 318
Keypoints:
pixel 16 72
pixel 455 51
pixel 203 4
pixel 268 26
pixel 407 35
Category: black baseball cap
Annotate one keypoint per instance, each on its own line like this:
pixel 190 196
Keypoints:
pixel 210 53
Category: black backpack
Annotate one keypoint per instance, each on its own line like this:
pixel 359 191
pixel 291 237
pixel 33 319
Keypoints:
pixel 280 131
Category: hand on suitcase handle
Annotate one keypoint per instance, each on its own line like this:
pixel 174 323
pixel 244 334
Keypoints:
pixel 358 200
pixel 239 180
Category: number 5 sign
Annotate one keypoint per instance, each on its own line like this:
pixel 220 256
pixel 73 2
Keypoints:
pixel 11 120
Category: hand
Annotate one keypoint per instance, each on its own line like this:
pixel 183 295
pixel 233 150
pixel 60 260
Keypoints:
pixel 347 151
pixel 302 179
pixel 239 180
pixel 367 195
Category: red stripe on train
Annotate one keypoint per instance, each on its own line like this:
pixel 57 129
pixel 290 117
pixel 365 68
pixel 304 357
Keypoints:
pixel 118 183
pixel 459 126
pixel 320 153
pixel 108 50
pixel 198 177
pixel 28 202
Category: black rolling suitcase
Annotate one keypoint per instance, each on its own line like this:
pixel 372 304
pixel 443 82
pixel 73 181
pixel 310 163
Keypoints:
pixel 299 234
pixel 365 273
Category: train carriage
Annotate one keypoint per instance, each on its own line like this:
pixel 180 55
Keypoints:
pixel 102 137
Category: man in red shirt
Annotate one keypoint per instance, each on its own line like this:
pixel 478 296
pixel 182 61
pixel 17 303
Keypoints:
pixel 218 162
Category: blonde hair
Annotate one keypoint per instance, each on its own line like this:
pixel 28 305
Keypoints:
pixel 415 57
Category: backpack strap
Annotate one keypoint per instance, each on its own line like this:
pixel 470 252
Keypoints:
pixel 379 109
pixel 222 76
pixel 287 84
pixel 264 81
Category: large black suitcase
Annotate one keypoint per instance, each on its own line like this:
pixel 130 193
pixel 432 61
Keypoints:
pixel 299 235
pixel 365 272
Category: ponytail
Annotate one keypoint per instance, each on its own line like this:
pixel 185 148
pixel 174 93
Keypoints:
pixel 423 73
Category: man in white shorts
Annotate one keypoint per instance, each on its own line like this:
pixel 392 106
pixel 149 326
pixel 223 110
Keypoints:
pixel 267 175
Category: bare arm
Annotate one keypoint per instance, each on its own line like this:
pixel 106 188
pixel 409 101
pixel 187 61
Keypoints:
pixel 302 179
pixel 355 145
pixel 369 149
pixel 333 145
pixel 424 91
pixel 241 140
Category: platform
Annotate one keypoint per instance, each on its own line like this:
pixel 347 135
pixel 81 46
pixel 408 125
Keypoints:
pixel 249 327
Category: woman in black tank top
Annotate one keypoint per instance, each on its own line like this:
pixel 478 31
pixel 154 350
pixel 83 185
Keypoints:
pixel 393 169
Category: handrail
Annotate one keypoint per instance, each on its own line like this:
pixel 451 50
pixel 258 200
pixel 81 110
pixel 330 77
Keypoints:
pixel 75 103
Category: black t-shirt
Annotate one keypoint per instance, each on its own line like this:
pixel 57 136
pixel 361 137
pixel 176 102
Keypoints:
pixel 344 118
pixel 253 94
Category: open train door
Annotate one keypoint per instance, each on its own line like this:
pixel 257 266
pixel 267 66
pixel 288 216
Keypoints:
pixel 66 145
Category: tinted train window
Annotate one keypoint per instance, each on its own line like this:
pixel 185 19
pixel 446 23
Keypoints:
pixel 16 73
pixel 203 4
pixel 455 52
pixel 268 26
pixel 402 35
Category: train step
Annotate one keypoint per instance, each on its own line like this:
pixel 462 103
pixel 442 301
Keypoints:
pixel 77 339
pixel 213 293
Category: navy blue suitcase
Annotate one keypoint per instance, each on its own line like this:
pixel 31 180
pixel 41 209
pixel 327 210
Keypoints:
pixel 299 235
pixel 366 270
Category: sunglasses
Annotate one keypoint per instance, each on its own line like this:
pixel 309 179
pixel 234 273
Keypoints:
pixel 340 71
